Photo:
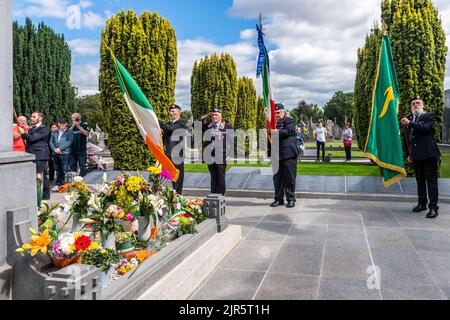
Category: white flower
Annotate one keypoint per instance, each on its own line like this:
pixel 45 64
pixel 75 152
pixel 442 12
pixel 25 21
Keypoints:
pixel 78 179
pixel 105 177
pixel 94 202
pixel 66 243
pixel 158 207
pixel 105 189
pixel 71 198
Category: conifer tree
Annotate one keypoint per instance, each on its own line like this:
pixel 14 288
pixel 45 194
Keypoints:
pixel 147 48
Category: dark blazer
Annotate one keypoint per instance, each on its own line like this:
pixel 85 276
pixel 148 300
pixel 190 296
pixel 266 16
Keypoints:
pixel 223 136
pixel 36 139
pixel 421 134
pixel 64 144
pixel 287 139
pixel 168 129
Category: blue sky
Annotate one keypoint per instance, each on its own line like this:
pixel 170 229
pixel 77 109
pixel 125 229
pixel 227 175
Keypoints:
pixel 312 43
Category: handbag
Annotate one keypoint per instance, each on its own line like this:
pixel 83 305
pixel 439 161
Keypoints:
pixel 347 143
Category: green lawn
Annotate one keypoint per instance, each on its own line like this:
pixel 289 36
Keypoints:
pixel 303 168
pixel 333 144
pixel 341 154
pixel 445 165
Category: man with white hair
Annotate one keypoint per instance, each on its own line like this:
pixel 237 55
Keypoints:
pixel 424 153
pixel 78 153
pixel 18 141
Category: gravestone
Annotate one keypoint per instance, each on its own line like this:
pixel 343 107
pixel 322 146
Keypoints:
pixel 17 171
pixel 446 122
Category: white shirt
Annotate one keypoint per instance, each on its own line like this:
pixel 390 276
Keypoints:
pixel 60 134
pixel 320 134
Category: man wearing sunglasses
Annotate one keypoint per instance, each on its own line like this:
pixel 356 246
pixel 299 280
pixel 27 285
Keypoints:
pixel 284 178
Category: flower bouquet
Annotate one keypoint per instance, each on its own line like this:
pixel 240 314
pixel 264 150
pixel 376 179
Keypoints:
pixel 125 242
pixel 78 200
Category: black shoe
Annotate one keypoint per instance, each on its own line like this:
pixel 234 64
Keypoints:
pixel 419 208
pixel 291 204
pixel 433 213
pixel 276 203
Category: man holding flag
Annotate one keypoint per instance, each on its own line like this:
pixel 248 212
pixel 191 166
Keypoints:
pixel 384 144
pixel 424 154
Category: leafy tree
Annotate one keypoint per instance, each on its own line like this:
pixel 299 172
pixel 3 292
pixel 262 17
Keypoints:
pixel 340 107
pixel 90 109
pixel 247 113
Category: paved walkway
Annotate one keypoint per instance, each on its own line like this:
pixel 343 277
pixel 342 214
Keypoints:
pixel 322 249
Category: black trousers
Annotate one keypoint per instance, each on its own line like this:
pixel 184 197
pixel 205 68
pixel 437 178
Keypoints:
pixel 217 172
pixel 51 169
pixel 178 185
pixel 427 180
pixel 348 152
pixel 284 180
pixel 320 145
pixel 41 166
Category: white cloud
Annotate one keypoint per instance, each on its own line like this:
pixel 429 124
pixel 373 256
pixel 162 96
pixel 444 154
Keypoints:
pixel 316 42
pixel 83 4
pixel 93 20
pixel 84 47
pixel 85 78
pixel 43 8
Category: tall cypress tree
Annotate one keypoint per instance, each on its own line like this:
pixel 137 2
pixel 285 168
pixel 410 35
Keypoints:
pixel 246 115
pixel 147 48
pixel 214 83
pixel 42 66
pixel 418 45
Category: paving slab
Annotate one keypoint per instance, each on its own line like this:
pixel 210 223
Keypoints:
pixel 346 289
pixel 269 232
pixel 288 287
pixel 402 291
pixel 307 234
pixel 345 236
pixel 346 262
pixel 438 263
pixel 298 259
pixel 229 285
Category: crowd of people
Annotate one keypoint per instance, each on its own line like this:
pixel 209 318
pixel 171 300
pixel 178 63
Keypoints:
pixel 64 148
pixel 60 149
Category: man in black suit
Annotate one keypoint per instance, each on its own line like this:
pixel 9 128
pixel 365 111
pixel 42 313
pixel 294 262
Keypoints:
pixel 217 136
pixel 286 159
pixel 424 154
pixel 173 135
pixel 36 139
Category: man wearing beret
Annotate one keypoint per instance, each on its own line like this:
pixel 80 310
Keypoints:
pixel 424 154
pixel 173 134
pixel 216 132
pixel 284 178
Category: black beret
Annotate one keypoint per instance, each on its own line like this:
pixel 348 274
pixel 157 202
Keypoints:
pixel 215 109
pixel 279 106
pixel 175 106
pixel 416 98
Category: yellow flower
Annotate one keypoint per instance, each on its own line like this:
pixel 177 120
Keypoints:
pixel 154 170
pixel 38 243
pixel 133 184
pixel 94 246
pixel 122 270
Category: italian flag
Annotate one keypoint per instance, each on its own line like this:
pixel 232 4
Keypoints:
pixel 263 68
pixel 145 117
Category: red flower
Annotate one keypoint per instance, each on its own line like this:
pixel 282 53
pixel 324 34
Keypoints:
pixel 82 243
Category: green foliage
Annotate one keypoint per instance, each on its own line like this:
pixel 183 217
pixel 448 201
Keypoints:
pixel 364 82
pixel 340 107
pixel 247 108
pixel 122 237
pixel 186 226
pixel 418 45
pixel 306 110
pixel 102 258
pixel 42 64
pixel 90 109
pixel 147 48
pixel 214 83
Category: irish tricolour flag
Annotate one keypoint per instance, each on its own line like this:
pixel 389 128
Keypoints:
pixel 263 68
pixel 145 117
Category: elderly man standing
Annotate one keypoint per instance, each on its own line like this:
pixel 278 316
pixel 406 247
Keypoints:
pixel 60 143
pixel 78 152
pixel 18 141
pixel 176 127
pixel 36 143
pixel 284 178
pixel 424 154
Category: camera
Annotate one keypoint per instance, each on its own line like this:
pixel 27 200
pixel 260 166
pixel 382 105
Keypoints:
pixel 77 119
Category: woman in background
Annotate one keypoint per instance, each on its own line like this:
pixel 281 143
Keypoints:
pixel 347 135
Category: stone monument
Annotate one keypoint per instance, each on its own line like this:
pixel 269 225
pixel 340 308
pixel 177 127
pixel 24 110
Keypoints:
pixel 18 203
pixel 446 122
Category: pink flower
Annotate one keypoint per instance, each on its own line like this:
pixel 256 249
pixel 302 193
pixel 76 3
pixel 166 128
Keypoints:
pixel 129 216
pixel 165 174
pixel 121 180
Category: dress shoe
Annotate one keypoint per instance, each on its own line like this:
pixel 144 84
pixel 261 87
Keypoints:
pixel 276 203
pixel 419 208
pixel 291 204
pixel 433 213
